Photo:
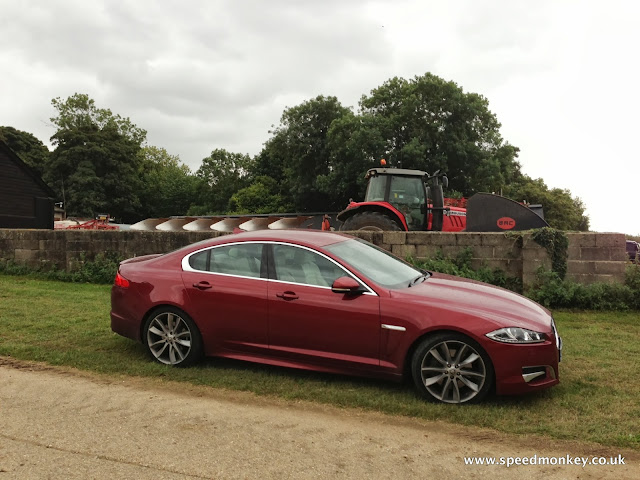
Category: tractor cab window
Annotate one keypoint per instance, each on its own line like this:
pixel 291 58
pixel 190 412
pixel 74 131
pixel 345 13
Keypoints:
pixel 407 194
pixel 376 189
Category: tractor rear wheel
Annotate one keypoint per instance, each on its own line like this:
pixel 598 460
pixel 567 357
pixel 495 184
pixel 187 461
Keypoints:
pixel 375 221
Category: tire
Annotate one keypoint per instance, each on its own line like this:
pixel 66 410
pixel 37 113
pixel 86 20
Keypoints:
pixel 172 338
pixel 452 368
pixel 375 221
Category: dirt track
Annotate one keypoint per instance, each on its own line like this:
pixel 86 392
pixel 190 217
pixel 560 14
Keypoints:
pixel 61 424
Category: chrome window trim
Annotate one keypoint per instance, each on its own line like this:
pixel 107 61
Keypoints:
pixel 188 268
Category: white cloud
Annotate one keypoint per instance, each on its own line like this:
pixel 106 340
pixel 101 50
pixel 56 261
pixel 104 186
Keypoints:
pixel 199 75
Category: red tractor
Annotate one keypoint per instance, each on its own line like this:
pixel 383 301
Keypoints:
pixel 412 200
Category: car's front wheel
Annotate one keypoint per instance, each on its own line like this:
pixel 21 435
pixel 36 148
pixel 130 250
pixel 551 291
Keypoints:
pixel 452 368
pixel 172 337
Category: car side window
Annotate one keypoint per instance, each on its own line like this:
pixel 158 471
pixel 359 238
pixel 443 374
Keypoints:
pixel 242 260
pixel 298 265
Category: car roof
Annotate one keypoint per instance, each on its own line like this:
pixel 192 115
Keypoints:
pixel 316 238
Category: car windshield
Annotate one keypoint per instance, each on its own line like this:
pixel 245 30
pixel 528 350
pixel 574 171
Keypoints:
pixel 376 263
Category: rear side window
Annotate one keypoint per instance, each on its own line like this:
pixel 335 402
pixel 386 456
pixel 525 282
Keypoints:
pixel 200 260
pixel 242 260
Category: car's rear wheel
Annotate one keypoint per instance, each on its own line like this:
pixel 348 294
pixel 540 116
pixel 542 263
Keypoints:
pixel 452 368
pixel 172 337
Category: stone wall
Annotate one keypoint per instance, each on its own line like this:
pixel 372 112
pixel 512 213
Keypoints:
pixel 593 257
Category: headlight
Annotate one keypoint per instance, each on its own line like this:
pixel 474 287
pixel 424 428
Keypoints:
pixel 516 335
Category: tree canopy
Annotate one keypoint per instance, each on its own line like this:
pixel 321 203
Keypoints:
pixel 31 150
pixel 314 160
pixel 96 163
pixel 221 175
pixel 167 185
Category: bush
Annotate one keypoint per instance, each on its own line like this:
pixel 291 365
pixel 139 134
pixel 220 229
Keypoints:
pixel 461 266
pixel 102 269
pixel 550 291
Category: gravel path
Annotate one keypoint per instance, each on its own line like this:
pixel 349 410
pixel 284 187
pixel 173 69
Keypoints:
pixel 63 424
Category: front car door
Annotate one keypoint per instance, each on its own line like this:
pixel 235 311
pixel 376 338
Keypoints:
pixel 227 288
pixel 309 323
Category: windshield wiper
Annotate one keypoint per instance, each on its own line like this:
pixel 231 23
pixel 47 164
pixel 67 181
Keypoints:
pixel 420 278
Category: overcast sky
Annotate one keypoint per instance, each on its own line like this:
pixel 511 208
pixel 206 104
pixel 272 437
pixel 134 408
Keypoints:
pixel 562 76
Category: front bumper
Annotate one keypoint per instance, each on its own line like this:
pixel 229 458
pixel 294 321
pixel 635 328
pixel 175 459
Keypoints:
pixel 523 368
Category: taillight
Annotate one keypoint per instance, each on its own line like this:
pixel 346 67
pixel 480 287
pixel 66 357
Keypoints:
pixel 120 281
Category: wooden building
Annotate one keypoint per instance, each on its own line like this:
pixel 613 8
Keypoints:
pixel 25 200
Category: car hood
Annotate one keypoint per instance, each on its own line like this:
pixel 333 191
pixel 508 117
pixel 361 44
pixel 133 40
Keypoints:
pixel 498 305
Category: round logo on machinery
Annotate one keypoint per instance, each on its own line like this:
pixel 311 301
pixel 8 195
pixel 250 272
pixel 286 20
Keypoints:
pixel 506 223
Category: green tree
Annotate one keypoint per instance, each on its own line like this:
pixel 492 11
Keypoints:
pixel 96 163
pixel 355 145
pixel 31 150
pixel 298 153
pixel 561 210
pixel 262 196
pixel 431 124
pixel 168 186
pixel 220 175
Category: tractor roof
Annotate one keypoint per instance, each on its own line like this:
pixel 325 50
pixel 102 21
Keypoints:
pixel 395 171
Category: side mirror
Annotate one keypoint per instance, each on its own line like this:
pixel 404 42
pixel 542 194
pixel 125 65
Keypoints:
pixel 346 285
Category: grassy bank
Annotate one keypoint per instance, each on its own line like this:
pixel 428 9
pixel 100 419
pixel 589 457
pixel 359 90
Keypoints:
pixel 598 399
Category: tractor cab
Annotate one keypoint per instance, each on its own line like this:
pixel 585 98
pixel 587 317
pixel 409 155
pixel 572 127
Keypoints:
pixel 401 199
pixel 403 189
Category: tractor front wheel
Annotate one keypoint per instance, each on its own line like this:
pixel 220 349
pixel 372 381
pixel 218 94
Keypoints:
pixel 375 221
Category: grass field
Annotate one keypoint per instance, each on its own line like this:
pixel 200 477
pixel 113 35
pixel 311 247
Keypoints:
pixel 597 400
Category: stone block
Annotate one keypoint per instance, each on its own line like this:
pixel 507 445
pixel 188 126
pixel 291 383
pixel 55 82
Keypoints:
pixel 469 239
pixel 581 267
pixel 419 238
pixel 574 253
pixel 450 251
pixel 511 253
pixel 532 266
pixel 27 257
pixel 55 258
pixel 598 254
pixel 539 254
pixel 394 238
pixel 404 251
pixel 582 239
pixel 384 246
pixel 364 235
pixel 611 240
pixel 492 239
pixel 441 239
pixel 619 254
pixel 610 268
pixel 487 252
pixel 426 251
pixel 377 239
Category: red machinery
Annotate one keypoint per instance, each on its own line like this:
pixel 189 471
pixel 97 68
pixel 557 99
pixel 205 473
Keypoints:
pixel 396 199
pixel 413 200
pixel 101 222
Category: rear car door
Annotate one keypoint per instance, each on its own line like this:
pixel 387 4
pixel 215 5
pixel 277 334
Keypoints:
pixel 227 290
pixel 309 323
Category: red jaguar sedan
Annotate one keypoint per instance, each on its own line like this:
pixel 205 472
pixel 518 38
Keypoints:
pixel 333 303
